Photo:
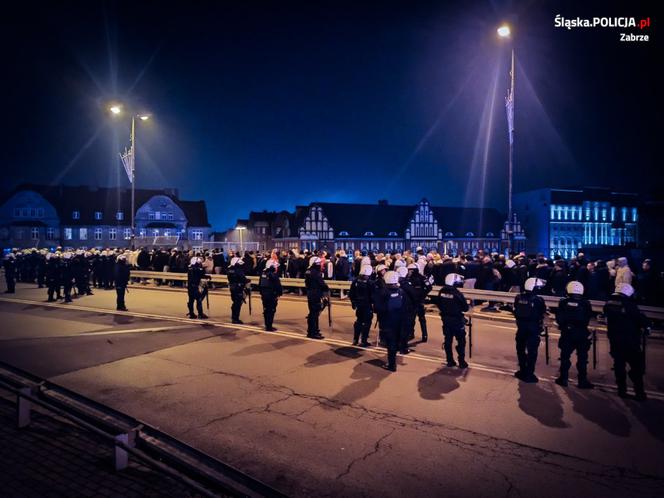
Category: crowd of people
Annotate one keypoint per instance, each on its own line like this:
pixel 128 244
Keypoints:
pixel 393 287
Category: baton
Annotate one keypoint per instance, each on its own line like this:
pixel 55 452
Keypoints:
pixel 470 337
pixel 207 298
pixel 546 343
pixel 329 312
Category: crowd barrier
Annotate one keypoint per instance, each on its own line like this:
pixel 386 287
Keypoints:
pixel 652 312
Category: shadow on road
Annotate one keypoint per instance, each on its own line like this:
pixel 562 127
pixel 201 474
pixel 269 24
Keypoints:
pixel 368 379
pixel 442 381
pixel 542 403
pixel 123 319
pixel 601 410
pixel 331 356
pixel 268 347
pixel 650 414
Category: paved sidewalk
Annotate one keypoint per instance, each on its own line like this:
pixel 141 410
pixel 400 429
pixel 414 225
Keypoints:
pixel 54 458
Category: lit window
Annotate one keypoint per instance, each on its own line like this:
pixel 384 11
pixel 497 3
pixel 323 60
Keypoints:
pixel 76 215
pixel 155 232
pixel 141 232
pixel 197 234
pixel 98 215
pixel 98 233
pixel 50 233
pixel 34 233
pixel 634 214
pixel 170 216
pixel 83 233
pixel 68 233
pixel 624 214
pixel 112 233
pixel 150 215
pixel 167 233
pixel 127 233
pixel 613 214
pixel 119 216
pixel 368 234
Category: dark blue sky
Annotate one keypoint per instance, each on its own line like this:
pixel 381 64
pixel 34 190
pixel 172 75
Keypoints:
pixel 262 105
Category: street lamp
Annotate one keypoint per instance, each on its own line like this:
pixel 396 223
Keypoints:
pixel 240 229
pixel 504 31
pixel 129 161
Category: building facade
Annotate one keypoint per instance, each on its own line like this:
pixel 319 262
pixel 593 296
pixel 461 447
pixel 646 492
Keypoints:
pixel 564 221
pixel 84 217
pixel 383 227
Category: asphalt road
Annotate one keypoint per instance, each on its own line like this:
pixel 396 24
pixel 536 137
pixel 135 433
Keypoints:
pixel 322 418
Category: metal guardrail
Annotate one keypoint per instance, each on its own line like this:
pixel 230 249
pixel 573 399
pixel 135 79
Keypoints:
pixel 652 312
pixel 129 436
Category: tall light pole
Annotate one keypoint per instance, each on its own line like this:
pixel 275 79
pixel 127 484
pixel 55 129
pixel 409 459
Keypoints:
pixel 504 31
pixel 129 161
pixel 240 229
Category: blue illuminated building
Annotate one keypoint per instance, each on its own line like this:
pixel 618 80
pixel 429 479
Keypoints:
pixel 564 221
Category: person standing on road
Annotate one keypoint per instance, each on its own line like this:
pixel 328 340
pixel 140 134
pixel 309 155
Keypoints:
pixel 195 275
pixel 625 324
pixel 422 286
pixel 361 298
pixel 452 305
pixel 237 282
pixel 573 316
pixel 9 265
pixel 529 309
pixel 390 303
pixel 53 276
pixel 270 289
pixel 409 309
pixel 67 276
pixel 121 274
pixel 317 290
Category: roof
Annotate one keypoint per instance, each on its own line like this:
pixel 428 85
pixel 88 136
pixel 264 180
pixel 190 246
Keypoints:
pixel 588 194
pixel 88 200
pixel 382 219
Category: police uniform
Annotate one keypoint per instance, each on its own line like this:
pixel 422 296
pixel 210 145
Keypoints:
pixel 529 309
pixel 122 272
pixel 361 297
pixel 270 289
pixel 422 286
pixel 53 277
pixel 390 303
pixel 625 324
pixel 316 287
pixel 10 273
pixel 237 282
pixel 573 315
pixel 452 305
pixel 195 274
pixel 409 314
pixel 67 277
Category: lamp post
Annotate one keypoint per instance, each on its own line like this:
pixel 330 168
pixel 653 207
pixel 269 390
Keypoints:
pixel 240 229
pixel 504 31
pixel 129 161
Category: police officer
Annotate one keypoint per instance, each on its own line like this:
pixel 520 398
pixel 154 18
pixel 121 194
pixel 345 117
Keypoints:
pixel 67 275
pixel 529 309
pixel 389 302
pixel 422 286
pixel 317 289
pixel 237 282
pixel 452 305
pixel 361 298
pixel 53 276
pixel 625 324
pixel 409 309
pixel 195 274
pixel 41 268
pixel 9 265
pixel 573 315
pixel 269 286
pixel 121 272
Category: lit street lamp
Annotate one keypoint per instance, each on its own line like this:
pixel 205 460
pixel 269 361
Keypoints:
pixel 129 162
pixel 504 31
pixel 240 229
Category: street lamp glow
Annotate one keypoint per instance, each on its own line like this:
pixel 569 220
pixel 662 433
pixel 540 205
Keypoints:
pixel 240 228
pixel 504 31
pixel 144 117
pixel 115 109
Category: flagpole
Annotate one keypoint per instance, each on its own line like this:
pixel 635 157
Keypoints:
pixel 133 179
pixel 511 132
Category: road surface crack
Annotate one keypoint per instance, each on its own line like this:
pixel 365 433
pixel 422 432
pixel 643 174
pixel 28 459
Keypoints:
pixel 362 458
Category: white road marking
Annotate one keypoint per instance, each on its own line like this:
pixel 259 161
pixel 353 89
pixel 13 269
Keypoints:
pixel 285 333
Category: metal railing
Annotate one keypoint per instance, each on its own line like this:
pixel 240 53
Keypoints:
pixel 129 436
pixel 652 312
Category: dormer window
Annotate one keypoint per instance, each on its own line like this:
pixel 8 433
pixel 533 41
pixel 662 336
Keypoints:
pixel 76 215
pixel 449 234
pixel 119 216
pixel 470 234
pixel 343 234
pixel 490 234
pixel 392 234
pixel 98 215
pixel 368 234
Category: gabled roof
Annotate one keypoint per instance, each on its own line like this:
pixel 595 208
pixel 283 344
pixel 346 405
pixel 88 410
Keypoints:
pixel 88 200
pixel 357 219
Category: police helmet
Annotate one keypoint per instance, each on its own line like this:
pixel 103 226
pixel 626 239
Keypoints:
pixel 402 271
pixel 195 260
pixel 625 290
pixel 399 262
pixel 67 255
pixel 453 279
pixel 413 266
pixel 271 263
pixel 575 287
pixel 314 260
pixel 391 277
pixel 366 270
pixel 510 263
pixel 380 268
pixel 237 261
pixel 534 283
pixel 365 261
pixel 10 256
pixel 122 257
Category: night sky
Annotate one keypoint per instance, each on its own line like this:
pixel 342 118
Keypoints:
pixel 264 105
